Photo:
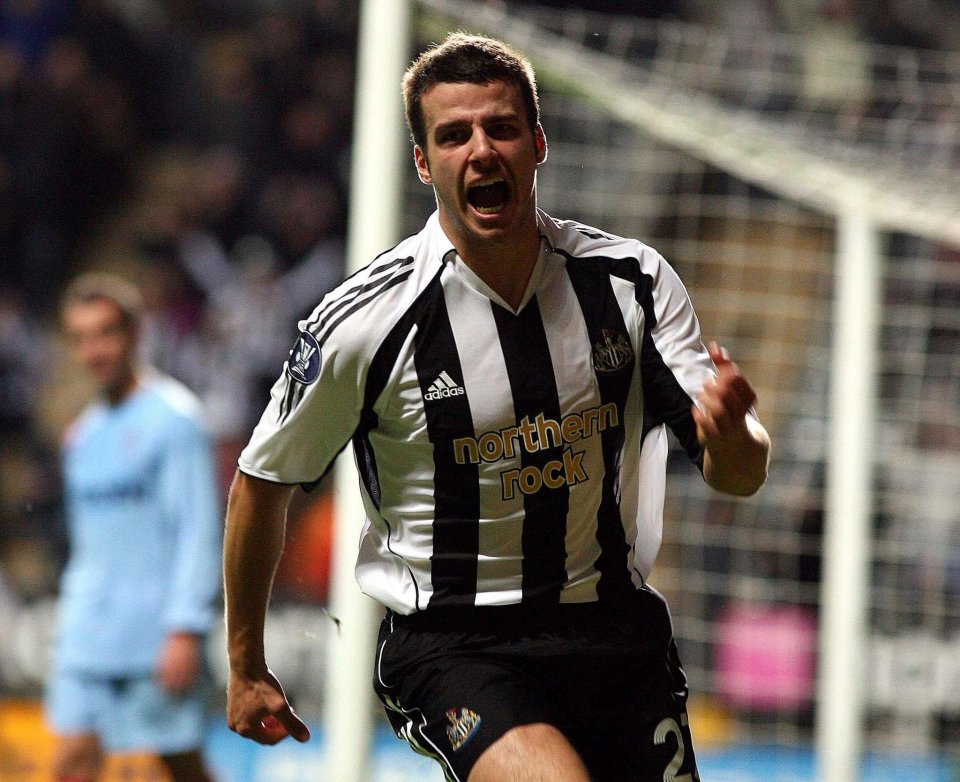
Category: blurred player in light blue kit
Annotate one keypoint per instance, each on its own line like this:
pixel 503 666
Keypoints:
pixel 139 591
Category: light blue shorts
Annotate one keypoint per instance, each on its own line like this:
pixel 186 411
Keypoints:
pixel 127 714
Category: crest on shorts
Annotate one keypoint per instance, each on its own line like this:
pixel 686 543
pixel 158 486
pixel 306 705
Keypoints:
pixel 612 352
pixel 463 724
pixel 304 362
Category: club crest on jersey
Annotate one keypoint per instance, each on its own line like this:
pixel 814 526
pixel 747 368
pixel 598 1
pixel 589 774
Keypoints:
pixel 613 352
pixel 463 724
pixel 304 362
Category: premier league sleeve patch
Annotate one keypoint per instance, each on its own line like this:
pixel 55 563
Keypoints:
pixel 303 365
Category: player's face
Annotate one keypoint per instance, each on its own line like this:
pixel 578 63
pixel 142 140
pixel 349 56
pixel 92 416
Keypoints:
pixel 102 344
pixel 481 157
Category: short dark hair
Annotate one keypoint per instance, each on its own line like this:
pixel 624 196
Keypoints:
pixel 104 286
pixel 471 59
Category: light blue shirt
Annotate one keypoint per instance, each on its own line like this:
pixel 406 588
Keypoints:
pixel 144 518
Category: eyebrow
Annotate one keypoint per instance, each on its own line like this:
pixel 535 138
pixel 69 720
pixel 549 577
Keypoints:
pixel 456 123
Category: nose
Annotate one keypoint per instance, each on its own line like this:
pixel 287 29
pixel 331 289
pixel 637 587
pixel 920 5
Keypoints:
pixel 482 151
pixel 88 350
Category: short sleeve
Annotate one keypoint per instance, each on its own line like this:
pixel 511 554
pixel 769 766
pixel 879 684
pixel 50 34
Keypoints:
pixel 314 409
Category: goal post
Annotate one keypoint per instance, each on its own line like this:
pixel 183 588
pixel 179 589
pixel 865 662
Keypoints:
pixel 377 156
pixel 843 646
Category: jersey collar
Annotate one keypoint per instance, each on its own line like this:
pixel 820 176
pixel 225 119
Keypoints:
pixel 443 250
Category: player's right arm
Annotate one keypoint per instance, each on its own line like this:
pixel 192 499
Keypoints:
pixel 253 542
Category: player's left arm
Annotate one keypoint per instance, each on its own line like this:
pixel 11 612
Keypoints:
pixel 191 497
pixel 736 445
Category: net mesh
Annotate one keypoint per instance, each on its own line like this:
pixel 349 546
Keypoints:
pixel 731 155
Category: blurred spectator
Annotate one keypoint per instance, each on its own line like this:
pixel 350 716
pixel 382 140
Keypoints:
pixel 925 483
pixel 68 135
pixel 258 289
pixel 305 73
pixel 23 358
pixel 30 539
pixel 648 9
pixel 912 23
pixel 28 26
pixel 226 108
pixel 298 212
pixel 220 197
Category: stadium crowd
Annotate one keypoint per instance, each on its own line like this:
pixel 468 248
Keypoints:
pixel 201 147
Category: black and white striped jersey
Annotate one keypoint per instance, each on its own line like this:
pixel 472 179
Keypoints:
pixel 505 456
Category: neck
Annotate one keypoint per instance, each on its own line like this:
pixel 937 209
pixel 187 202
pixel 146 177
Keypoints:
pixel 115 394
pixel 505 265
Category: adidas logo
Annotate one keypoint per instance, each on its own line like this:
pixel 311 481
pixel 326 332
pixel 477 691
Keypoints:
pixel 443 388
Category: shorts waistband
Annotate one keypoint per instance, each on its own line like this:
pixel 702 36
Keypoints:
pixel 517 616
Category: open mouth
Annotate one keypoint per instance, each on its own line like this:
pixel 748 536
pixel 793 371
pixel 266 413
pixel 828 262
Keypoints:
pixel 490 197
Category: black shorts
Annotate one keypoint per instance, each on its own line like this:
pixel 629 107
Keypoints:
pixel 454 681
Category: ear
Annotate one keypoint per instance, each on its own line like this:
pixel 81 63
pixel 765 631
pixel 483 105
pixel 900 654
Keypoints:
pixel 540 140
pixel 423 167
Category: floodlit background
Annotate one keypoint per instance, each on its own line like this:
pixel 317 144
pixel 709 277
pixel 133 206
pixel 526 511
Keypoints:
pixel 203 148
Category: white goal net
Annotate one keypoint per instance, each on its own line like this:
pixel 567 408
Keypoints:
pixel 737 157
